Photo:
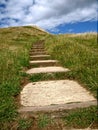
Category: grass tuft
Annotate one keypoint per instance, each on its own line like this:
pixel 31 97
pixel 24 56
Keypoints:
pixel 81 118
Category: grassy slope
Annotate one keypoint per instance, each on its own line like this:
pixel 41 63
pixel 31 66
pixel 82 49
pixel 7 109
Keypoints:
pixel 79 53
pixel 15 44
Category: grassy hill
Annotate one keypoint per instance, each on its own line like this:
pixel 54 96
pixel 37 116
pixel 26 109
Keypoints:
pixel 78 52
pixel 15 43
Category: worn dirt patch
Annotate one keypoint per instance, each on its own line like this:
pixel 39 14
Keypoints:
pixel 54 92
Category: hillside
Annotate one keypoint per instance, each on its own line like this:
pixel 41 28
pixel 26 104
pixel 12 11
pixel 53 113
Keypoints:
pixel 79 53
pixel 15 43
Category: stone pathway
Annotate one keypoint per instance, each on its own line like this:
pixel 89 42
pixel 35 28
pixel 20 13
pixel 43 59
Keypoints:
pixel 51 95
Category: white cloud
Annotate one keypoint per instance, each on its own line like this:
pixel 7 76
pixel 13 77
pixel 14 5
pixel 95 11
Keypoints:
pixel 46 13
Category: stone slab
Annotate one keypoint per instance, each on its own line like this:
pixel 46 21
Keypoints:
pixel 38 53
pixel 58 107
pixel 37 50
pixel 46 93
pixel 43 61
pixel 37 47
pixel 40 56
pixel 49 69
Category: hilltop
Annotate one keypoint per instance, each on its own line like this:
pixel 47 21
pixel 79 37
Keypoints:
pixel 30 30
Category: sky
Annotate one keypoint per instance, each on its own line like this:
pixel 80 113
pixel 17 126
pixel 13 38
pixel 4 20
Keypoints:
pixel 55 16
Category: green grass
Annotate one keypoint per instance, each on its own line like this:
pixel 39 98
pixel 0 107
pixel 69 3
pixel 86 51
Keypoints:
pixel 44 121
pixel 24 124
pixel 15 44
pixel 82 118
pixel 48 76
pixel 79 53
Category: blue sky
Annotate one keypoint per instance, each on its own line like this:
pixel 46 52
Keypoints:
pixel 55 16
pixel 78 27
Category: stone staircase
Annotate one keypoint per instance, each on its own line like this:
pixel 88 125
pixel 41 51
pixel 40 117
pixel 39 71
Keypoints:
pixel 51 95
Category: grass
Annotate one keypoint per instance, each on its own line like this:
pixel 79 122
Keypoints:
pixel 44 121
pixel 79 53
pixel 24 124
pixel 82 118
pixel 15 44
pixel 48 76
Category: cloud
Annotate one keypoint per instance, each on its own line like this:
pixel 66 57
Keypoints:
pixel 46 13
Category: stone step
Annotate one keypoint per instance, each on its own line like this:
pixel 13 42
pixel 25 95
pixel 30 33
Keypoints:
pixel 37 47
pixel 44 62
pixel 38 53
pixel 50 69
pixel 38 44
pixel 37 50
pixel 58 107
pixel 40 57
pixel 52 93
pixel 41 43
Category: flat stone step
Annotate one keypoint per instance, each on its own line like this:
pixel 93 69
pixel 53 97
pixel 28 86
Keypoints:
pixel 40 57
pixel 44 62
pixel 51 93
pixel 37 50
pixel 58 107
pixel 38 44
pixel 37 47
pixel 51 69
pixel 38 53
